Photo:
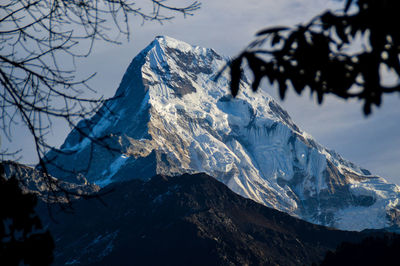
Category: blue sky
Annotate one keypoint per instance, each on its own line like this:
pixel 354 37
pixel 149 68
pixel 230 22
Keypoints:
pixel 228 26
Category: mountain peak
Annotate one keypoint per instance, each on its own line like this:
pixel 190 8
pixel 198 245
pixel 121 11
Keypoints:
pixel 162 45
pixel 167 41
pixel 174 117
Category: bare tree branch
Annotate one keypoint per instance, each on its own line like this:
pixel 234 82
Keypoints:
pixel 38 39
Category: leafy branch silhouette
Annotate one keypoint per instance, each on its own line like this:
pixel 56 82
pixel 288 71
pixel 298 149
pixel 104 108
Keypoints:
pixel 340 53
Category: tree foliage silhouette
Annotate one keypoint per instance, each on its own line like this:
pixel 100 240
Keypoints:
pixel 22 238
pixel 342 53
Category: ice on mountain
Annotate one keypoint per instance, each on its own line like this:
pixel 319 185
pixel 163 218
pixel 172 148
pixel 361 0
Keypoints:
pixel 175 117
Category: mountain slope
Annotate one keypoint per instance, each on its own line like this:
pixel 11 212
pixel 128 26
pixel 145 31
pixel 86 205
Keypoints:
pixel 33 181
pixel 186 220
pixel 172 116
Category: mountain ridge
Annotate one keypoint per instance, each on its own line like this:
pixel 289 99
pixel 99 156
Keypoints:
pixel 186 220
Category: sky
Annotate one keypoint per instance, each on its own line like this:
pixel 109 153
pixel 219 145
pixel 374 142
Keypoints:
pixel 372 142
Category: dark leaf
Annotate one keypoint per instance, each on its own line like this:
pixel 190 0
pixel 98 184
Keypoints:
pixel 236 75
pixel 257 43
pixel 320 96
pixel 328 20
pixel 271 30
pixel 298 85
pixel 276 39
pixel 378 99
pixel 256 83
pixel 282 88
pixel 367 108
pixel 258 68
pixel 393 62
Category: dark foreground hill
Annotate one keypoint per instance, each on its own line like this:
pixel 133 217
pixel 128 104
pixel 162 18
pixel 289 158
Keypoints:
pixel 186 220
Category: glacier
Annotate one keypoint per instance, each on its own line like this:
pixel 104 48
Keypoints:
pixel 173 114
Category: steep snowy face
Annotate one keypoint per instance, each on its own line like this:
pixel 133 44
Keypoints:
pixel 172 115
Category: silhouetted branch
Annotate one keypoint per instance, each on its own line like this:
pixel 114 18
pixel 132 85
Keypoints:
pixel 39 41
pixel 334 53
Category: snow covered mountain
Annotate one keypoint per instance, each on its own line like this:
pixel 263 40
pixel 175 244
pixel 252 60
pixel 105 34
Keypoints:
pixel 172 116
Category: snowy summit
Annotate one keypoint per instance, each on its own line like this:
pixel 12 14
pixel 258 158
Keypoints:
pixel 171 115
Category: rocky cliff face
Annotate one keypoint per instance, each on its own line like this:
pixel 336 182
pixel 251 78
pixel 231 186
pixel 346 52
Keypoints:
pixel 172 115
pixel 33 181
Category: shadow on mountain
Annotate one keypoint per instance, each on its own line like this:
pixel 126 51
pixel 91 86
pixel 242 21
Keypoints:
pixel 186 220
pixel 371 251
